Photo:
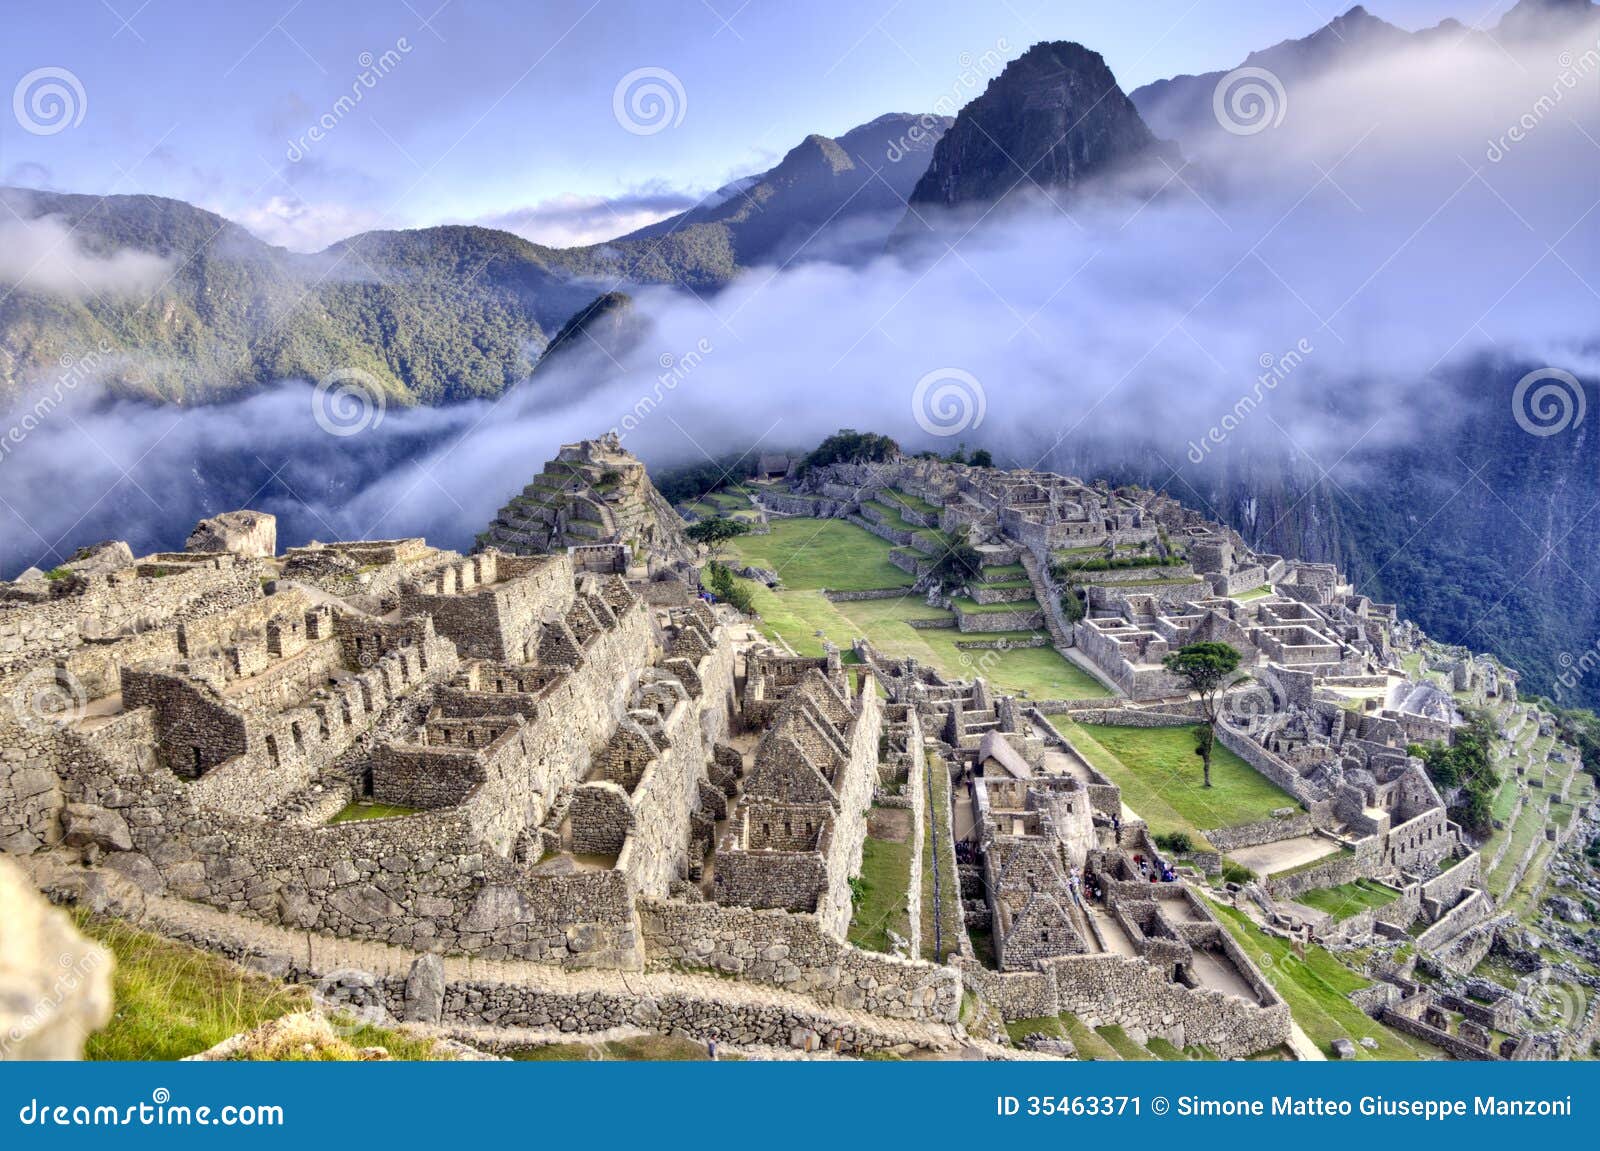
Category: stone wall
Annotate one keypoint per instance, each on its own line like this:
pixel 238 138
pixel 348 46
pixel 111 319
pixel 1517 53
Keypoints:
pixel 1471 911
pixel 1269 765
pixel 439 880
pixel 1127 991
pixel 490 604
pixel 797 953
pixel 1272 830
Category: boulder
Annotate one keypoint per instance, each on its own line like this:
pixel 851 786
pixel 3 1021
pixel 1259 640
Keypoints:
pixel 55 985
pixel 244 533
pixel 1343 1049
pixel 109 556
pixel 85 825
pixel 425 990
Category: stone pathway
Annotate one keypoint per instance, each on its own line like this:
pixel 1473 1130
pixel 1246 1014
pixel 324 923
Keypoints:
pixel 314 955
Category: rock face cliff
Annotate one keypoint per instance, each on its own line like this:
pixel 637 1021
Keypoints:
pixel 1054 119
pixel 594 493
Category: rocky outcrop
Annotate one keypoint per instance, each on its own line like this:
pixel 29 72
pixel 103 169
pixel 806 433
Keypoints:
pixel 1053 120
pixel 55 985
pixel 244 533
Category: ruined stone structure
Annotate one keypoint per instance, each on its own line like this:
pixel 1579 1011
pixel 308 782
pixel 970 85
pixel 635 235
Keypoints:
pixel 505 778
pixel 597 498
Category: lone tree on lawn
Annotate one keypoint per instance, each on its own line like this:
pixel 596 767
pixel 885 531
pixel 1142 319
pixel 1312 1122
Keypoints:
pixel 1207 668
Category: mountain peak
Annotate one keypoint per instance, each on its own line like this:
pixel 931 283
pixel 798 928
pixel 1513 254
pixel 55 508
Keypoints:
pixel 1054 117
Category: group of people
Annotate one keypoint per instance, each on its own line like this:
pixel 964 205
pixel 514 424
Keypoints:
pixel 1155 874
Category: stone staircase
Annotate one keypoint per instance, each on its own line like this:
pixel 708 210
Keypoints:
pixel 1049 598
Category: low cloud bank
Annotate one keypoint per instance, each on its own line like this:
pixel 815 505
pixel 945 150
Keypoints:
pixel 1313 294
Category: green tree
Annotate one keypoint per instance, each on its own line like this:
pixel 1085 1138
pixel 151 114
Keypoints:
pixel 982 459
pixel 1464 768
pixel 958 562
pixel 720 582
pixel 715 530
pixel 848 446
pixel 1207 669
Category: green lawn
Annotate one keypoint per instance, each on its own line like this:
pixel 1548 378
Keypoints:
pixel 1119 1042
pixel 1317 990
pixel 948 908
pixel 809 554
pixel 798 615
pixel 972 607
pixel 367 810
pixel 1160 777
pixel 1261 592
pixel 885 879
pixel 915 503
pixel 1348 899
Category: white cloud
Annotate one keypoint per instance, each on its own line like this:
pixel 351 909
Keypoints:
pixel 45 255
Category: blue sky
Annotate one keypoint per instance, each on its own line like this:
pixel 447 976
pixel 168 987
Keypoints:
pixel 504 113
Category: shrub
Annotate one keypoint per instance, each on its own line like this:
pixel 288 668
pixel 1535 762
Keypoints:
pixel 1175 841
pixel 1236 872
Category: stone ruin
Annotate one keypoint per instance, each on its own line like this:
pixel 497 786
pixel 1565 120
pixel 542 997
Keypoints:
pixel 553 754
pixel 596 498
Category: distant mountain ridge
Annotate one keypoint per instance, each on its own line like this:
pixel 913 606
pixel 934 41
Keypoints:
pixel 428 315
pixel 1180 108
pixel 829 196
